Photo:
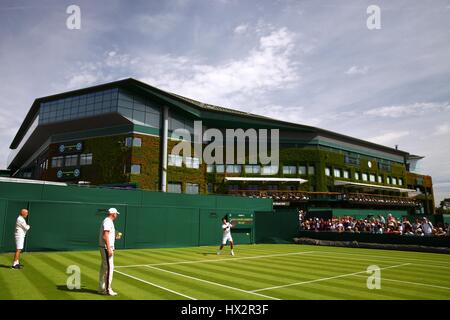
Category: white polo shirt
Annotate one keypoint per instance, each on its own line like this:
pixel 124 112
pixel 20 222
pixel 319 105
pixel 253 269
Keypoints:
pixel 21 227
pixel 226 229
pixel 107 225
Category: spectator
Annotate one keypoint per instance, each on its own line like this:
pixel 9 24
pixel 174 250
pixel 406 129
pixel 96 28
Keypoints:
pixel 440 232
pixel 427 227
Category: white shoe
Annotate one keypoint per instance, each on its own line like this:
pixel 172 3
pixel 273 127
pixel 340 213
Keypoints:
pixel 232 253
pixel 218 253
pixel 111 293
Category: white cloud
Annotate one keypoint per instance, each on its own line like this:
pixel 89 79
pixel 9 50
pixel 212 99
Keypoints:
pixel 415 109
pixel 241 29
pixel 442 130
pixel 389 138
pixel 355 70
pixel 294 114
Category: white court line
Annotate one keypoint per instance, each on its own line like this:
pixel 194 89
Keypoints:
pixel 155 285
pixel 213 283
pixel 409 282
pixel 323 279
pixel 391 259
pixel 220 260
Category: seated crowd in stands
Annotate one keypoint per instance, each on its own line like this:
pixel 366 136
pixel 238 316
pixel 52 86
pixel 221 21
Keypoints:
pixel 376 224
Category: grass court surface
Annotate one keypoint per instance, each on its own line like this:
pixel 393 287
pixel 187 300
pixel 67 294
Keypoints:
pixel 279 271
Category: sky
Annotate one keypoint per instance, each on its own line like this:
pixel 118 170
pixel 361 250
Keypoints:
pixel 312 62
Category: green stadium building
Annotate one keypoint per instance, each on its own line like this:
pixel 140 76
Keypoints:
pixel 118 134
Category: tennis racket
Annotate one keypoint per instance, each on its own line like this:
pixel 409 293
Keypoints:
pixel 234 223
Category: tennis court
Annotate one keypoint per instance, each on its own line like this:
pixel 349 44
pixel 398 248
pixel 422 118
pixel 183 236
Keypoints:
pixel 265 271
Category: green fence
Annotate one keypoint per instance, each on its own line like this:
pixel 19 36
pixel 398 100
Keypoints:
pixel 278 226
pixel 68 217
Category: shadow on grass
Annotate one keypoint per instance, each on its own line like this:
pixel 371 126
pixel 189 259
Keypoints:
pixel 208 253
pixel 81 290
pixel 5 266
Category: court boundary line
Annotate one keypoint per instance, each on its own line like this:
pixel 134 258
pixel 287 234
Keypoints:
pixel 213 283
pixel 206 261
pixel 396 258
pixel 409 282
pixel 324 279
pixel 155 285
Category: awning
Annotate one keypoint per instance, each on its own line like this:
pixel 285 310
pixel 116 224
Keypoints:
pixel 265 179
pixel 411 192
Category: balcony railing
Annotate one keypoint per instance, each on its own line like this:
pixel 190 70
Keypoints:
pixel 354 198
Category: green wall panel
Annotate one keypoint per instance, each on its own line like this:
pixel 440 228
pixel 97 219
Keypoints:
pixel 69 217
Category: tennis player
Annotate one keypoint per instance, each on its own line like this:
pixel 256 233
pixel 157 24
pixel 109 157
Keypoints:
pixel 107 238
pixel 226 227
pixel 21 231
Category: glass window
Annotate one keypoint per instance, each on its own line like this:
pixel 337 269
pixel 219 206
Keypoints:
pixel 71 161
pixel 380 179
pixel 252 169
pixel 337 173
pixel 327 172
pixel 233 168
pixel 192 188
pixel 302 170
pixel 372 178
pixel 175 160
pixel 269 170
pixel 311 170
pixel 174 187
pixel 137 142
pixel 289 170
pixel 394 180
pixel 128 141
pixel 388 180
pixel 210 188
pixel 400 182
pixel 209 168
pixel 346 174
pixel 191 162
pixel 139 117
pixel 85 159
pixel 135 169
pixel 365 177
pixel 220 168
pixel 57 162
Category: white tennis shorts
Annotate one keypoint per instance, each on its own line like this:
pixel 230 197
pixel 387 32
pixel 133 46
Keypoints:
pixel 19 242
pixel 227 238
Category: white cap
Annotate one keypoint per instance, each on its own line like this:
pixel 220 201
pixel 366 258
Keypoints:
pixel 113 210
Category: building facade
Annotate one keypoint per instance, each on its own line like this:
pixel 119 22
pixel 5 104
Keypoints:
pixel 119 135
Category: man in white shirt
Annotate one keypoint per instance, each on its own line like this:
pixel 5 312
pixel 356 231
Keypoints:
pixel 427 227
pixel 20 232
pixel 106 241
pixel 226 227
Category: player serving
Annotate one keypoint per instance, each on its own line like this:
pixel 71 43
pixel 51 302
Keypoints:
pixel 226 227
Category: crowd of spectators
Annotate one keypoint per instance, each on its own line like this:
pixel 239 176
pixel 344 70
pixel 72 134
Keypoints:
pixel 374 224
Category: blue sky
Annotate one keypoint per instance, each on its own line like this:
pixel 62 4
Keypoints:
pixel 311 62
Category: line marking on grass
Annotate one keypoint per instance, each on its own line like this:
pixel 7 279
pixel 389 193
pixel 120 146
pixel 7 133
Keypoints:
pixel 213 283
pixel 324 279
pixel 409 282
pixel 391 258
pixel 205 261
pixel 155 285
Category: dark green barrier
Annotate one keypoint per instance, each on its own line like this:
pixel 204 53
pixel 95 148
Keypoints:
pixel 278 226
pixel 377 238
pixel 69 217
